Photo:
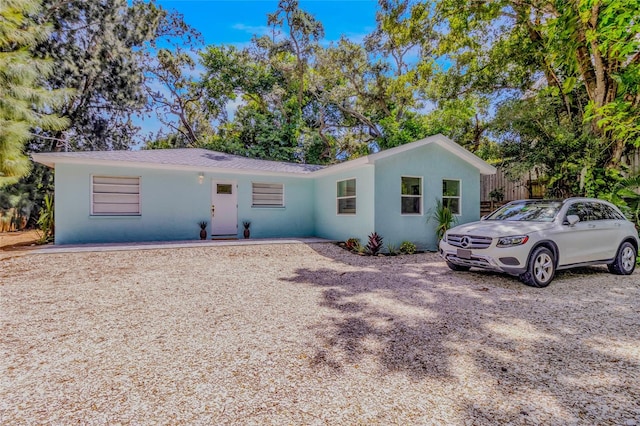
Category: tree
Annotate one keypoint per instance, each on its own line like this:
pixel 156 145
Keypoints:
pixel 24 104
pixel 583 53
pixel 98 48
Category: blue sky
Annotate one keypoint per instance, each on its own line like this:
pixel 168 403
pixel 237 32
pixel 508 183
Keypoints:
pixel 236 21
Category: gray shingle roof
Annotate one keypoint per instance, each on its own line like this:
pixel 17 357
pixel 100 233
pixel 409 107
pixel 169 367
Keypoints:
pixel 190 157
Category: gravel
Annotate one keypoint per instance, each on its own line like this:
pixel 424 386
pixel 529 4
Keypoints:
pixel 310 334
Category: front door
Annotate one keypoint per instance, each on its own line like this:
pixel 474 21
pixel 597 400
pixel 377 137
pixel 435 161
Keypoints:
pixel 224 208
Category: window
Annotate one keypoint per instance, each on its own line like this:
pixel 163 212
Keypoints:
pixel 411 198
pixel 224 188
pixel 115 196
pixel 346 194
pixel 267 195
pixel 451 195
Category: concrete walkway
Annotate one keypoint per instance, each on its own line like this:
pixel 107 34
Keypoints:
pixel 155 245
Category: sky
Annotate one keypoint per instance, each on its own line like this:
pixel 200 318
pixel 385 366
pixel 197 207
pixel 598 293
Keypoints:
pixel 236 21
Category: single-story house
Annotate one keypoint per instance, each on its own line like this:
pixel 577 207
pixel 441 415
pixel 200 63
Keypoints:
pixel 155 195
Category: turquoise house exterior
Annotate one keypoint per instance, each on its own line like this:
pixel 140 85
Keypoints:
pixel 161 195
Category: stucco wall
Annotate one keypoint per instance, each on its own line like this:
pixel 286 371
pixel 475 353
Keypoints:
pixel 329 224
pixel 433 163
pixel 172 204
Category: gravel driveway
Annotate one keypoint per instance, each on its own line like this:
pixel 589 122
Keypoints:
pixel 310 334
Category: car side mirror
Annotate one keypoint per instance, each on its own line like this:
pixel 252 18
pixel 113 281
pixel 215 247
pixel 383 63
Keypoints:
pixel 572 219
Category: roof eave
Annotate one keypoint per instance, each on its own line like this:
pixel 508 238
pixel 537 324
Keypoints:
pixel 51 161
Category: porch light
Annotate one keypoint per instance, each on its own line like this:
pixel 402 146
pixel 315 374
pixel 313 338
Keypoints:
pixel 200 178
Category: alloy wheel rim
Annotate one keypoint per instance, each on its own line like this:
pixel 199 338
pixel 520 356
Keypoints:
pixel 628 258
pixel 543 268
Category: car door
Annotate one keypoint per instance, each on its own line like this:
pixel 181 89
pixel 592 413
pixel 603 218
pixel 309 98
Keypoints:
pixel 581 242
pixel 608 224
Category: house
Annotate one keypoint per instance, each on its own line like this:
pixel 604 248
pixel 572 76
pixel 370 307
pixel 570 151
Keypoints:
pixel 155 195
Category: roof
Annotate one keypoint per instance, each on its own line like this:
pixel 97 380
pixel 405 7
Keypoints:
pixel 440 140
pixel 190 158
pixel 205 160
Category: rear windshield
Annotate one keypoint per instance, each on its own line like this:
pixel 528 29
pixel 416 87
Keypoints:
pixel 530 211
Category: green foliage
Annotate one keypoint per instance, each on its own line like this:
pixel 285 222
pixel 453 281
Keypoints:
pixel 374 245
pixel 46 221
pixel 25 105
pixel 392 249
pixel 626 195
pixel 352 244
pixel 442 216
pixel 407 247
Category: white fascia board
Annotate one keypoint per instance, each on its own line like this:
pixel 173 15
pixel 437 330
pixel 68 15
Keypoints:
pixel 51 161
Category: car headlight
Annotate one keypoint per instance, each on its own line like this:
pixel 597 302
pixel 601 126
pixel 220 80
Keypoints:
pixel 514 240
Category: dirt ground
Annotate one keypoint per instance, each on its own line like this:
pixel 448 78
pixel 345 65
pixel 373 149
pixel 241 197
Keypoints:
pixel 17 243
pixel 310 334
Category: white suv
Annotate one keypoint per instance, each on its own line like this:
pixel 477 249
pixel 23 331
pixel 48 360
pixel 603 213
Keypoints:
pixel 534 238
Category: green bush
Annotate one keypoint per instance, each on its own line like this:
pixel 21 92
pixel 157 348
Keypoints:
pixel 407 247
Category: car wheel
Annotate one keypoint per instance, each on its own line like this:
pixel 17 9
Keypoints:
pixel 541 268
pixel 455 267
pixel 625 261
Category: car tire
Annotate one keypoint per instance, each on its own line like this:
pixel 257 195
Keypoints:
pixel 541 268
pixel 625 261
pixel 459 268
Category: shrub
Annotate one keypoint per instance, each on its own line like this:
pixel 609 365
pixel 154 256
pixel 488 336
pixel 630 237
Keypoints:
pixel 352 244
pixel 375 243
pixel 407 247
pixel 392 249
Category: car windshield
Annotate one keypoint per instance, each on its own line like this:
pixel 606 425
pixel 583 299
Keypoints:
pixel 531 211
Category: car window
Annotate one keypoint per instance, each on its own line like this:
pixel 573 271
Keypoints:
pixel 611 213
pixel 597 211
pixel 579 209
pixel 534 211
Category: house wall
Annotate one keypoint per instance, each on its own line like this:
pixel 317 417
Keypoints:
pixel 433 163
pixel 172 204
pixel 328 223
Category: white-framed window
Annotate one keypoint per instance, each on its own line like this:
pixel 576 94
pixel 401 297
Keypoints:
pixel 267 194
pixel 346 196
pixel 115 195
pixel 451 195
pixel 411 195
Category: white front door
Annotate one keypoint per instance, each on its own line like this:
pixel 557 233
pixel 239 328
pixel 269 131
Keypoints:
pixel 224 208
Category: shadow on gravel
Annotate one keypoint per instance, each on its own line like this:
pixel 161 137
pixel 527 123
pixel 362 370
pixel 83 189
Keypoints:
pixel 564 354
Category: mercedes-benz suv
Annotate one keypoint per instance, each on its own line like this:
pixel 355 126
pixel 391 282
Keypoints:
pixel 533 239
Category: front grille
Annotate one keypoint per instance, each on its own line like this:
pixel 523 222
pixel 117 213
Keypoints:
pixel 469 241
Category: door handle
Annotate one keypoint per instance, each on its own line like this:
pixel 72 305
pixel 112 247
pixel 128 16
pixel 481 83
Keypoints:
pixel 213 210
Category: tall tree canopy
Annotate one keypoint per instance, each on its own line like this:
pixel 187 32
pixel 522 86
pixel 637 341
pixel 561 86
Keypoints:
pixel 24 104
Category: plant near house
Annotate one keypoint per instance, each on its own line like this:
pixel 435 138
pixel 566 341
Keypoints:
pixel 392 249
pixel 407 247
pixel 443 217
pixel 247 225
pixel 352 244
pixel 46 221
pixel 203 229
pixel 497 194
pixel 375 244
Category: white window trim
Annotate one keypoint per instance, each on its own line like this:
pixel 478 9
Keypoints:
pixel 355 197
pixel 122 215
pixel 459 197
pixel 273 206
pixel 421 196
